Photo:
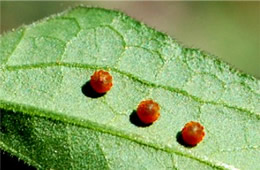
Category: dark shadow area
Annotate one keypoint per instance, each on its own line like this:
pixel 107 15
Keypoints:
pixel 9 162
pixel 180 140
pixel 134 119
pixel 3 129
pixel 88 91
pixel 19 125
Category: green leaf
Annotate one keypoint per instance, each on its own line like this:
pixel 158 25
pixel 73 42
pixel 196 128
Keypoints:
pixel 48 121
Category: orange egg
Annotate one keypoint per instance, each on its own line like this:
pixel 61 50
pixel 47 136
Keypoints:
pixel 192 133
pixel 101 81
pixel 148 111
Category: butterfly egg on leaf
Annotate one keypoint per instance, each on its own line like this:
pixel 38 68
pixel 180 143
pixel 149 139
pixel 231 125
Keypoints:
pixel 101 81
pixel 192 133
pixel 148 111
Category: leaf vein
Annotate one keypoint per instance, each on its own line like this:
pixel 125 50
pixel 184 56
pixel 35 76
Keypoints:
pixel 134 78
pixel 101 128
pixel 17 44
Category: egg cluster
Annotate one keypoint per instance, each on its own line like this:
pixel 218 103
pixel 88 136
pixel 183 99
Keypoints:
pixel 148 111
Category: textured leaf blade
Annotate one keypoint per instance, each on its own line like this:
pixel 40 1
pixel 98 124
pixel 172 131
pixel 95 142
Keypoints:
pixel 45 65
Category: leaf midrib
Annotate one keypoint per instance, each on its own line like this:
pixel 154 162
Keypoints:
pixel 134 78
pixel 46 114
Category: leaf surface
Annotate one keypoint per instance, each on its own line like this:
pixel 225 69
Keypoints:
pixel 48 120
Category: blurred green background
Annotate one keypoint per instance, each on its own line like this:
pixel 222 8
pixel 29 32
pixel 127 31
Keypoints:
pixel 229 30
